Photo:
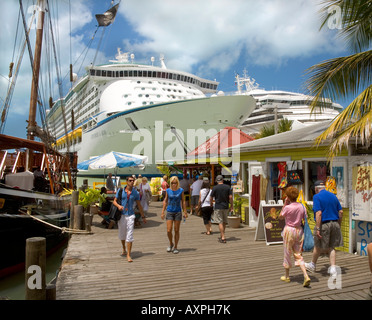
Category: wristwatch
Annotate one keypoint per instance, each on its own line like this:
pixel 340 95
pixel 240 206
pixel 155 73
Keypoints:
pixel 316 228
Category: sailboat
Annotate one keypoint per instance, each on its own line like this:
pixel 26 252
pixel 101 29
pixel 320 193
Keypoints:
pixel 29 202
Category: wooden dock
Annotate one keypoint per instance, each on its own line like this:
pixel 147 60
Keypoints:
pixel 241 269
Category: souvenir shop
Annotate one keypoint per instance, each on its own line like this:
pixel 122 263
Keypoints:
pixel 265 162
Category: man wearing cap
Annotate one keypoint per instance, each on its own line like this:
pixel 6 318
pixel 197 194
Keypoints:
pixel 222 197
pixel 327 233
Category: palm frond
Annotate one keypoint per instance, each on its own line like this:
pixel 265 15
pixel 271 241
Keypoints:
pixel 338 77
pixel 354 121
pixel 355 21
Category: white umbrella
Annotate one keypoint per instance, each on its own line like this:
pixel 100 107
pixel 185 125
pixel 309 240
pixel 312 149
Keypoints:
pixel 114 160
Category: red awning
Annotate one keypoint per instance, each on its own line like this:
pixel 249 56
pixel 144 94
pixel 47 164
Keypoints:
pixel 227 137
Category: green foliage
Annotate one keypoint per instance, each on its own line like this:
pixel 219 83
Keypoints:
pixel 346 76
pixel 269 130
pixel 238 200
pixel 90 196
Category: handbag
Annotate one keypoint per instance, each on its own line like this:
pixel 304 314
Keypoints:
pixel 115 213
pixel 308 243
pixel 295 176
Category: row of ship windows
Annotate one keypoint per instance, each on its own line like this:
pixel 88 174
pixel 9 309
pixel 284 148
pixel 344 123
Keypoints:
pixel 77 118
pixel 152 74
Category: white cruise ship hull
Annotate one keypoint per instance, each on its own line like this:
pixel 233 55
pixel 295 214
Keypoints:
pixel 148 130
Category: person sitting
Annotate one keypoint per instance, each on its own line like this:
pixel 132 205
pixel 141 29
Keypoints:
pixel 104 208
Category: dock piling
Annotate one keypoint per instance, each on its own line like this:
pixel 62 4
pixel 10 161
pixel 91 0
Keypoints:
pixel 35 268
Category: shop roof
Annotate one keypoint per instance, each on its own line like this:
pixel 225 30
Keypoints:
pixel 303 137
pixel 225 138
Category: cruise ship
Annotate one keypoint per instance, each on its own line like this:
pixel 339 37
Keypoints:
pixel 138 108
pixel 274 105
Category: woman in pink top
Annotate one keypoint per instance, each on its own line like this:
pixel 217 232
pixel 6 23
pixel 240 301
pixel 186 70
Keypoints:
pixel 293 234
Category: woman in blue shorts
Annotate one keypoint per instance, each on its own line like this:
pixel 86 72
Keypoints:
pixel 174 198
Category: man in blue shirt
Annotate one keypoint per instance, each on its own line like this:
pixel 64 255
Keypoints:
pixel 327 233
pixel 129 197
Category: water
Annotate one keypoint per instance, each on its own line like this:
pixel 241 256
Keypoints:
pixel 13 286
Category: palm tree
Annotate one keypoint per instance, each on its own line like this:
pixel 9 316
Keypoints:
pixel 269 130
pixel 351 75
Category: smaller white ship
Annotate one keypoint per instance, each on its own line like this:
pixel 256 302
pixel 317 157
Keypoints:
pixel 274 105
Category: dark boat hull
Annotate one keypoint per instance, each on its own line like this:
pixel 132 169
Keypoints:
pixel 15 227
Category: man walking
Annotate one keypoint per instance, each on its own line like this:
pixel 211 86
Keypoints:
pixel 129 197
pixel 195 191
pixel 327 233
pixel 222 197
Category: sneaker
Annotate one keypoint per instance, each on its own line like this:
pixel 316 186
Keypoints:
pixel 310 267
pixel 169 249
pixel 175 251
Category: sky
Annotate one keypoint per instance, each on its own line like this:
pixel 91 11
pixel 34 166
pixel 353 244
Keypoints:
pixel 274 40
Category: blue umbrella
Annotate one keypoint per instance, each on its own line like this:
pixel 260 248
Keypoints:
pixel 113 160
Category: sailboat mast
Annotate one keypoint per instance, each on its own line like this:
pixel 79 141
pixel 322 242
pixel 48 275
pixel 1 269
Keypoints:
pixel 36 69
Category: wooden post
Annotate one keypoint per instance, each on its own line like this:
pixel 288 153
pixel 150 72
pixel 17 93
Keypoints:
pixel 74 202
pixel 35 268
pixel 51 291
pixel 78 216
pixel 87 221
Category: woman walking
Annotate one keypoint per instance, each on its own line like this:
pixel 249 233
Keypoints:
pixel 174 199
pixel 293 234
pixel 205 205
pixel 145 194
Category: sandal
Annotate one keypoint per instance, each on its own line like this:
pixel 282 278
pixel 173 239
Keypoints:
pixel 306 282
pixel 285 279
pixel 222 240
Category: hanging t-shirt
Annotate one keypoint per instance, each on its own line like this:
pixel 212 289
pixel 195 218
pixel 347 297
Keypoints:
pixel 282 171
pixel 321 172
pixel 255 198
pixel 174 200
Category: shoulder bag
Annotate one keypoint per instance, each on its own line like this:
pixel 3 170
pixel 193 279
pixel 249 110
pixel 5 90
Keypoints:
pixel 308 244
pixel 115 213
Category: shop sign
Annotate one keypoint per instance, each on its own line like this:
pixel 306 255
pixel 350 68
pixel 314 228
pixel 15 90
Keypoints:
pixel 363 236
pixel 270 227
pixel 362 193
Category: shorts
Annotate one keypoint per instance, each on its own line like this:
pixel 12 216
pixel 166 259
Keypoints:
pixel 194 200
pixel 207 213
pixel 220 215
pixel 176 216
pixel 126 226
pixel 331 236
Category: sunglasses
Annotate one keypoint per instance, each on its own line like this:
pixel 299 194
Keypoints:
pixel 130 180
pixel 173 182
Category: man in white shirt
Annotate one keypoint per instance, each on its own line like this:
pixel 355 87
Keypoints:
pixel 195 191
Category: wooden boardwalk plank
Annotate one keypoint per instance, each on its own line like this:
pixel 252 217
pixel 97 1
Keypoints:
pixel 203 270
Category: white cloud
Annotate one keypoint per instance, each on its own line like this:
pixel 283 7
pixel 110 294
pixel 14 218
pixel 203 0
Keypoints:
pixel 216 33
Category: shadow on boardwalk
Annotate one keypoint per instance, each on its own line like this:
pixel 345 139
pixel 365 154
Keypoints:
pixel 204 269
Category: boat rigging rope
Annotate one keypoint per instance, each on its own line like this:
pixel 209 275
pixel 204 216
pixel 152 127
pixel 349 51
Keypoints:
pixel 63 229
